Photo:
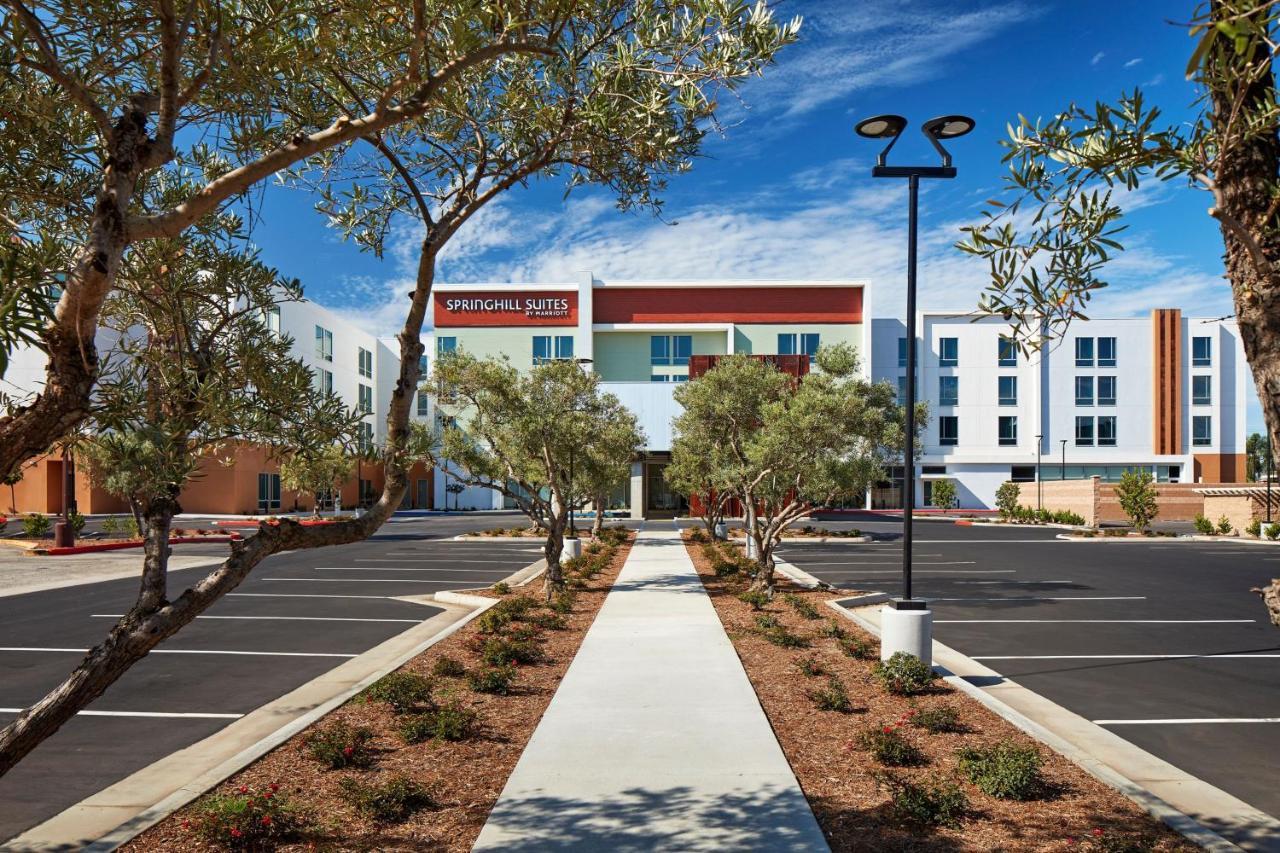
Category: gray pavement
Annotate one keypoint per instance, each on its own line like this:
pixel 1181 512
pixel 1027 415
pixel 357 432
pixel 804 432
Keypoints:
pixel 297 617
pixel 655 739
pixel 1159 641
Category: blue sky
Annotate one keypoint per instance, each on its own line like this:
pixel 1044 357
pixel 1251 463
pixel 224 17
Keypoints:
pixel 786 191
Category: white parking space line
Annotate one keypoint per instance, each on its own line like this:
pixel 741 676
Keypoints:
pixel 1011 582
pixel 914 570
pixel 1187 721
pixel 398 569
pixel 855 563
pixel 1225 656
pixel 356 580
pixel 992 541
pixel 279 618
pixel 189 652
pixel 150 714
pixel 421 560
pixel 303 595
pixel 1060 598
pixel 1091 621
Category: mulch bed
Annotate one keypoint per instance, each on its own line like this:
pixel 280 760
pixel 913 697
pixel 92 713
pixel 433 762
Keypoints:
pixel 464 778
pixel 1077 812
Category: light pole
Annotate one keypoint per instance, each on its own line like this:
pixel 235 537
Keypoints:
pixel 1039 480
pixel 908 624
pixel 1063 472
pixel 573 530
pixel 1268 476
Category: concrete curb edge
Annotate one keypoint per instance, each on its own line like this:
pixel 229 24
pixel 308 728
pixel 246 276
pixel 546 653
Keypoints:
pixel 1184 824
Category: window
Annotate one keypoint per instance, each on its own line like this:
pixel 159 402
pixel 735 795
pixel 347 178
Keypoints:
pixel 366 363
pixel 268 492
pixel 670 349
pixel 948 430
pixel 807 344
pixel 1201 430
pixel 948 390
pixel 541 349
pixel 1201 352
pixel 365 399
pixel 1008 390
pixel 1201 390
pixel 1008 430
pixel 1084 432
pixel 1106 352
pixel 364 437
pixel 1007 354
pixel 1084 390
pixel 446 345
pixel 1084 352
pixel 902 390
pixel 324 381
pixel 1107 431
pixel 1106 390
pixel 1022 473
pixel 271 317
pixel 564 346
pixel 324 343
pixel 422 365
pixel 948 352
pixel 424 405
pixel 546 348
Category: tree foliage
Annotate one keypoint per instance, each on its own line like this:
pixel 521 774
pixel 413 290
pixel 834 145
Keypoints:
pixel 316 471
pixel 1138 497
pixel 782 445
pixel 515 431
pixel 943 493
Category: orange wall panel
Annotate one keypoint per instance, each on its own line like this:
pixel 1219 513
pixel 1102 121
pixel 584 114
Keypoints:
pixel 728 305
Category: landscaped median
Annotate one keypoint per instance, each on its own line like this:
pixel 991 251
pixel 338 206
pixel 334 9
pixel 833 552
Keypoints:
pixel 418 759
pixel 891 758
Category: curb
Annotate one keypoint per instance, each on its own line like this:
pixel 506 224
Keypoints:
pixel 798 576
pixel 1156 806
pixel 461 607
pixel 120 546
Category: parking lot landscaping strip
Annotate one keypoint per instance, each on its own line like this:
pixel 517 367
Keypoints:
pixel 924 768
pixel 418 760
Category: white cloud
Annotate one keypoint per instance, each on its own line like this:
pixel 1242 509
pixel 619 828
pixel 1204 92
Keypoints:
pixel 1097 57
pixel 1133 62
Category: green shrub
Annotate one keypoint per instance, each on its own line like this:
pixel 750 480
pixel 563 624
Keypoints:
pixel 766 621
pixel 1254 529
pixel 1224 526
pixel 391 801
pixel 340 744
pixel 403 691
pixel 904 674
pixel 889 747
pixel 833 629
pixel 857 648
pixel 110 524
pixel 516 607
pixel 757 598
pixel 810 666
pixel 1066 516
pixel 1138 497
pixel 131 527
pixel 833 697
pixel 802 606
pixel 548 621
pixel 937 720
pixel 724 568
pixel 563 602
pixel 77 520
pixel 499 651
pixel 502 587
pixel 697 534
pixel 451 722
pixel 924 805
pixel 1103 842
pixel 1006 771
pixel 780 636
pixel 1007 499
pixel 447 667
pixel 495 680
pixel 1273 532
pixel 1203 525
pixel 246 820
pixel 35 526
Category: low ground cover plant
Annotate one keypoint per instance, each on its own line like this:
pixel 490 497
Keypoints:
pixel 810 666
pixel 1203 525
pixel 447 667
pixel 938 719
pixel 494 679
pixel 802 606
pixel 35 525
pixel 926 804
pixel 757 598
pixel 857 648
pixel 904 674
pixel 391 801
pixel 833 697
pixel 887 746
pixel 1005 770
pixel 450 722
pixel 247 819
pixel 403 691
pixel 340 744
pixel 1254 529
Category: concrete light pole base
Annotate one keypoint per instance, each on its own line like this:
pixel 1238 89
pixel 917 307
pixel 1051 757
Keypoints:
pixel 570 548
pixel 753 552
pixel 722 530
pixel 909 631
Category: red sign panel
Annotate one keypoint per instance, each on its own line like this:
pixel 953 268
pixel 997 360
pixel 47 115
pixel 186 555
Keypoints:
pixel 781 304
pixel 458 309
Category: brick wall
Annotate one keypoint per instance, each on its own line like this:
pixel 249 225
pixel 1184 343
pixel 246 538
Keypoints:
pixel 1096 501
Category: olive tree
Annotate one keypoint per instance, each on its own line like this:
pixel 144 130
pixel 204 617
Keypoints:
pixel 316 471
pixel 514 432
pixel 1049 239
pixel 694 469
pixel 785 443
pixel 1138 498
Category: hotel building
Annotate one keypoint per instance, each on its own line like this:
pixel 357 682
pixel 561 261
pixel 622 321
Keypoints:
pixel 1164 392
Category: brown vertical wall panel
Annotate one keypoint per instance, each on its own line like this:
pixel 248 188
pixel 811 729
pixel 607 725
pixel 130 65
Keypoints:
pixel 1166 380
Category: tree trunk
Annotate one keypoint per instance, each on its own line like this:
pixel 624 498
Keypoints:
pixel 1246 178
pixel 597 526
pixel 551 551
pixel 155 556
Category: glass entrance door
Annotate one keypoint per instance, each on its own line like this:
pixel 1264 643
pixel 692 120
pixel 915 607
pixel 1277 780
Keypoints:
pixel 660 500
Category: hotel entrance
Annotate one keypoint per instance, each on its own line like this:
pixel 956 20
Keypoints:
pixel 660 500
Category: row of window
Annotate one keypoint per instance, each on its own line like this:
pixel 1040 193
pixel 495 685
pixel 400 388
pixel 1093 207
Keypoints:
pixel 1091 430
pixel 548 348
pixel 1090 390
pixel 1089 352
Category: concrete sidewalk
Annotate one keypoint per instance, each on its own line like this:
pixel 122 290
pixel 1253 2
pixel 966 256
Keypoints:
pixel 655 739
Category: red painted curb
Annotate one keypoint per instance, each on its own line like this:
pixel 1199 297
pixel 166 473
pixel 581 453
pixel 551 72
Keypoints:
pixel 246 522
pixel 964 522
pixel 118 546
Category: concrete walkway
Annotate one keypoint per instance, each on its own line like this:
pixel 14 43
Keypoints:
pixel 655 739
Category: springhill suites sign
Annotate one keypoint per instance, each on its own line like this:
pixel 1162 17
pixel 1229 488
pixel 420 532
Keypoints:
pixel 487 308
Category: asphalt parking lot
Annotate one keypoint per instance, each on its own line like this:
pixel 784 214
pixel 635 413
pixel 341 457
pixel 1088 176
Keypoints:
pixel 299 615
pixel 1161 642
